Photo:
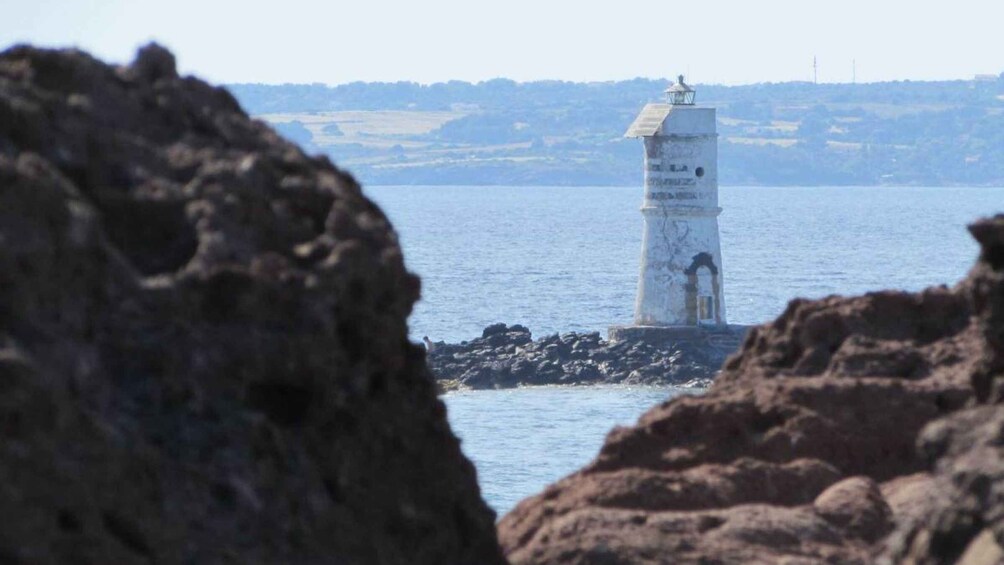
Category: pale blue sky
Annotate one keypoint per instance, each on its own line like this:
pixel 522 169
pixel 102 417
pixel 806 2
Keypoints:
pixel 723 41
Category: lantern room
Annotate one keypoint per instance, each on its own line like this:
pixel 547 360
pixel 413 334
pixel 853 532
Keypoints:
pixel 680 94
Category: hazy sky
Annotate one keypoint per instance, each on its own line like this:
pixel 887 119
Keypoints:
pixel 723 41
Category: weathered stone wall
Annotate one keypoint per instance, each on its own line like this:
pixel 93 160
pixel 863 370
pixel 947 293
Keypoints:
pixel 681 252
pixel 203 341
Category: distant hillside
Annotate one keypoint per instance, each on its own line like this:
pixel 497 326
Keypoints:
pixel 563 133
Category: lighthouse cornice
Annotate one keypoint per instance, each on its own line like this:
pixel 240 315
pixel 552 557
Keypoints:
pixel 685 136
pixel 681 211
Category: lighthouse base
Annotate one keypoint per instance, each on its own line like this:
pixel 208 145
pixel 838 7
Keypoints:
pixel 725 337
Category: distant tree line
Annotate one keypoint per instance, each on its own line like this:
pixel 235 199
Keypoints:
pixel 907 132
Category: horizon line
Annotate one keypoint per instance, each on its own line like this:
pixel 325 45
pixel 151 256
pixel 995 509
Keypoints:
pixel 975 79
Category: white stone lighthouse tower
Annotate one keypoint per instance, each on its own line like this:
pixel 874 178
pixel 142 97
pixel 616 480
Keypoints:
pixel 681 282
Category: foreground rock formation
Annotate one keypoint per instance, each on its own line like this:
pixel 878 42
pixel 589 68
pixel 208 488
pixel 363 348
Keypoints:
pixel 203 348
pixel 508 356
pixel 203 359
pixel 805 449
pixel 962 518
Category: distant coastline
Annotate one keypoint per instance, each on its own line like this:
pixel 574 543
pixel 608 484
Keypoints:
pixel 499 132
pixel 725 184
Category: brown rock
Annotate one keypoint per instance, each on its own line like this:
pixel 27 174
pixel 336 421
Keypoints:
pixel 909 495
pixel 986 287
pixel 962 521
pixel 966 497
pixel 203 346
pixel 857 506
pixel 782 460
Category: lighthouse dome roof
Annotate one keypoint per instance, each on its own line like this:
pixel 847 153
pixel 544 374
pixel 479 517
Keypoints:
pixel 680 86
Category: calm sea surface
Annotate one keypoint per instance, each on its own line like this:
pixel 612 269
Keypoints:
pixel 560 259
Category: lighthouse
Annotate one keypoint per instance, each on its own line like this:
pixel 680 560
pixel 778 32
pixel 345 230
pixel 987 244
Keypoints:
pixel 681 280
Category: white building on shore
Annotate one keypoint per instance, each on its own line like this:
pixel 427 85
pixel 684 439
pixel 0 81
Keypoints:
pixel 681 280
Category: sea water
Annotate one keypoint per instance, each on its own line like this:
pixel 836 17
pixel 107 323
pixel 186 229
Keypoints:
pixel 526 438
pixel 560 259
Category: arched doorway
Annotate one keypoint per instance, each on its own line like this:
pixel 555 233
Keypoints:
pixel 702 298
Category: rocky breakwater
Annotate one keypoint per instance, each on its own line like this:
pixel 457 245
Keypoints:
pixel 848 430
pixel 508 356
pixel 203 345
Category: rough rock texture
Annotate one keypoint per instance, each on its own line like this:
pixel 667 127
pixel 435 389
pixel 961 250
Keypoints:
pixel 803 450
pixel 203 347
pixel 986 287
pixel 507 356
pixel 962 520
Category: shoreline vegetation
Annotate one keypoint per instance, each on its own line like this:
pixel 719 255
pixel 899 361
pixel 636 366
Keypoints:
pixel 500 132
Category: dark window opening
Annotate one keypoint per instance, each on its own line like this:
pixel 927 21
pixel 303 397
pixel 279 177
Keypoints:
pixel 699 171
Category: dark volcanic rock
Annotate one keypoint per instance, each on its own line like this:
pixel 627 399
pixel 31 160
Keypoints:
pixel 986 286
pixel 507 356
pixel 203 346
pixel 962 518
pixel 803 450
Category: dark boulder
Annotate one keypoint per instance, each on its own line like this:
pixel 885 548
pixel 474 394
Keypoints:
pixel 507 356
pixel 203 341
pixel 961 519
